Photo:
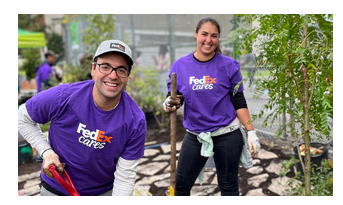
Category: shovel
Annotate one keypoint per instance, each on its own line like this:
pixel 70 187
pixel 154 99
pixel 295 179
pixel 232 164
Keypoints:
pixel 173 139
pixel 68 184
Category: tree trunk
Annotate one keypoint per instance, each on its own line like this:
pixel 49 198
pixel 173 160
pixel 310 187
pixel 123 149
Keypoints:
pixel 292 121
pixel 307 140
pixel 283 123
pixel 284 127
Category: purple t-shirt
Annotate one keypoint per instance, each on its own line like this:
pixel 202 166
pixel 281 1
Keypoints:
pixel 86 138
pixel 43 73
pixel 205 87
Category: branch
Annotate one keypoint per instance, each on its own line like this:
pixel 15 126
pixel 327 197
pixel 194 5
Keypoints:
pixel 299 154
pixel 312 86
pixel 314 78
pixel 303 43
pixel 293 75
pixel 156 118
pixel 312 89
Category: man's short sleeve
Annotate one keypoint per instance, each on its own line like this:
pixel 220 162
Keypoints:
pixel 134 148
pixel 43 107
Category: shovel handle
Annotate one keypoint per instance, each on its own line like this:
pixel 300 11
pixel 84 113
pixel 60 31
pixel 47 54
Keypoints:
pixel 173 126
pixel 68 184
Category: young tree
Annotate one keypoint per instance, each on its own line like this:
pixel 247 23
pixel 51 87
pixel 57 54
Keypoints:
pixel 31 63
pixel 100 27
pixel 298 50
pixel 31 22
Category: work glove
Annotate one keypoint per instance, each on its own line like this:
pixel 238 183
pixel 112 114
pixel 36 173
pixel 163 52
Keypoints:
pixel 253 143
pixel 172 104
pixel 50 157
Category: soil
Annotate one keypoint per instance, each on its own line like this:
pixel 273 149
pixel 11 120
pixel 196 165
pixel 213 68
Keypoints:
pixel 163 136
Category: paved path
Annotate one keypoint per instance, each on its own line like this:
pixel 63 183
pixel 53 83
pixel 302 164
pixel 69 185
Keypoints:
pixel 154 176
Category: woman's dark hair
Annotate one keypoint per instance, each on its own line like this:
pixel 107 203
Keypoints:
pixel 214 22
pixel 163 50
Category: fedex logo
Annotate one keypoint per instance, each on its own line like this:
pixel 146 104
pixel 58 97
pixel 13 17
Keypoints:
pixel 96 138
pixel 117 46
pixel 205 80
pixel 204 83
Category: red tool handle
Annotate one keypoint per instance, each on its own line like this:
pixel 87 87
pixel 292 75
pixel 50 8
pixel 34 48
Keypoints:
pixel 68 184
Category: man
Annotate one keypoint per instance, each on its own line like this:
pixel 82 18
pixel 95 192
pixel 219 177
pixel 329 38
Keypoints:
pixel 44 71
pixel 97 131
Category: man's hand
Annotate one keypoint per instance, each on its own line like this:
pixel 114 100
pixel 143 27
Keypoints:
pixel 172 104
pixel 253 143
pixel 50 157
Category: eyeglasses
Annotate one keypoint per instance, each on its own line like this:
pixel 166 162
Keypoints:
pixel 106 69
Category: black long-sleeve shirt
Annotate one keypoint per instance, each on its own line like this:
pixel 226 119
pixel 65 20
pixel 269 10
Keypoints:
pixel 238 100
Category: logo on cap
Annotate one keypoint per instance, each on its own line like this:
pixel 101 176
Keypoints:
pixel 117 46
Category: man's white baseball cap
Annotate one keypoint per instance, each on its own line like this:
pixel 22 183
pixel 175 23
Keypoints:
pixel 115 46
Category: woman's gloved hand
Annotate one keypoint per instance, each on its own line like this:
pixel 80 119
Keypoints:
pixel 253 143
pixel 172 104
pixel 50 157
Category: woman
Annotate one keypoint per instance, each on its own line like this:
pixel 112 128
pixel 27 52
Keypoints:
pixel 213 113
pixel 163 61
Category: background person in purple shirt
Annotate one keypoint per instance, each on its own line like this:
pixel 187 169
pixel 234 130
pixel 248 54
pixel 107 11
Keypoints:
pixel 44 71
pixel 97 131
pixel 206 82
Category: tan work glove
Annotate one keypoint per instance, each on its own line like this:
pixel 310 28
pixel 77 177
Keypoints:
pixel 171 104
pixel 50 157
pixel 253 143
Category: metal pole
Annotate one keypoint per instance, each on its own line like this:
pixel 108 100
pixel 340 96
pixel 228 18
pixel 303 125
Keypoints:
pixel 173 135
pixel 235 55
pixel 171 42
pixel 133 47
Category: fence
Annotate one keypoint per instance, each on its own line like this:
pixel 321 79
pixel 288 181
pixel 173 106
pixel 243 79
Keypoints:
pixel 151 35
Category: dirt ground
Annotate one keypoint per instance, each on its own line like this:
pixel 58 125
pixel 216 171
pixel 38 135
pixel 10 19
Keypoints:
pixel 155 134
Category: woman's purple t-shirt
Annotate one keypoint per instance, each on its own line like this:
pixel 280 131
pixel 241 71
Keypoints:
pixel 205 87
pixel 86 138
